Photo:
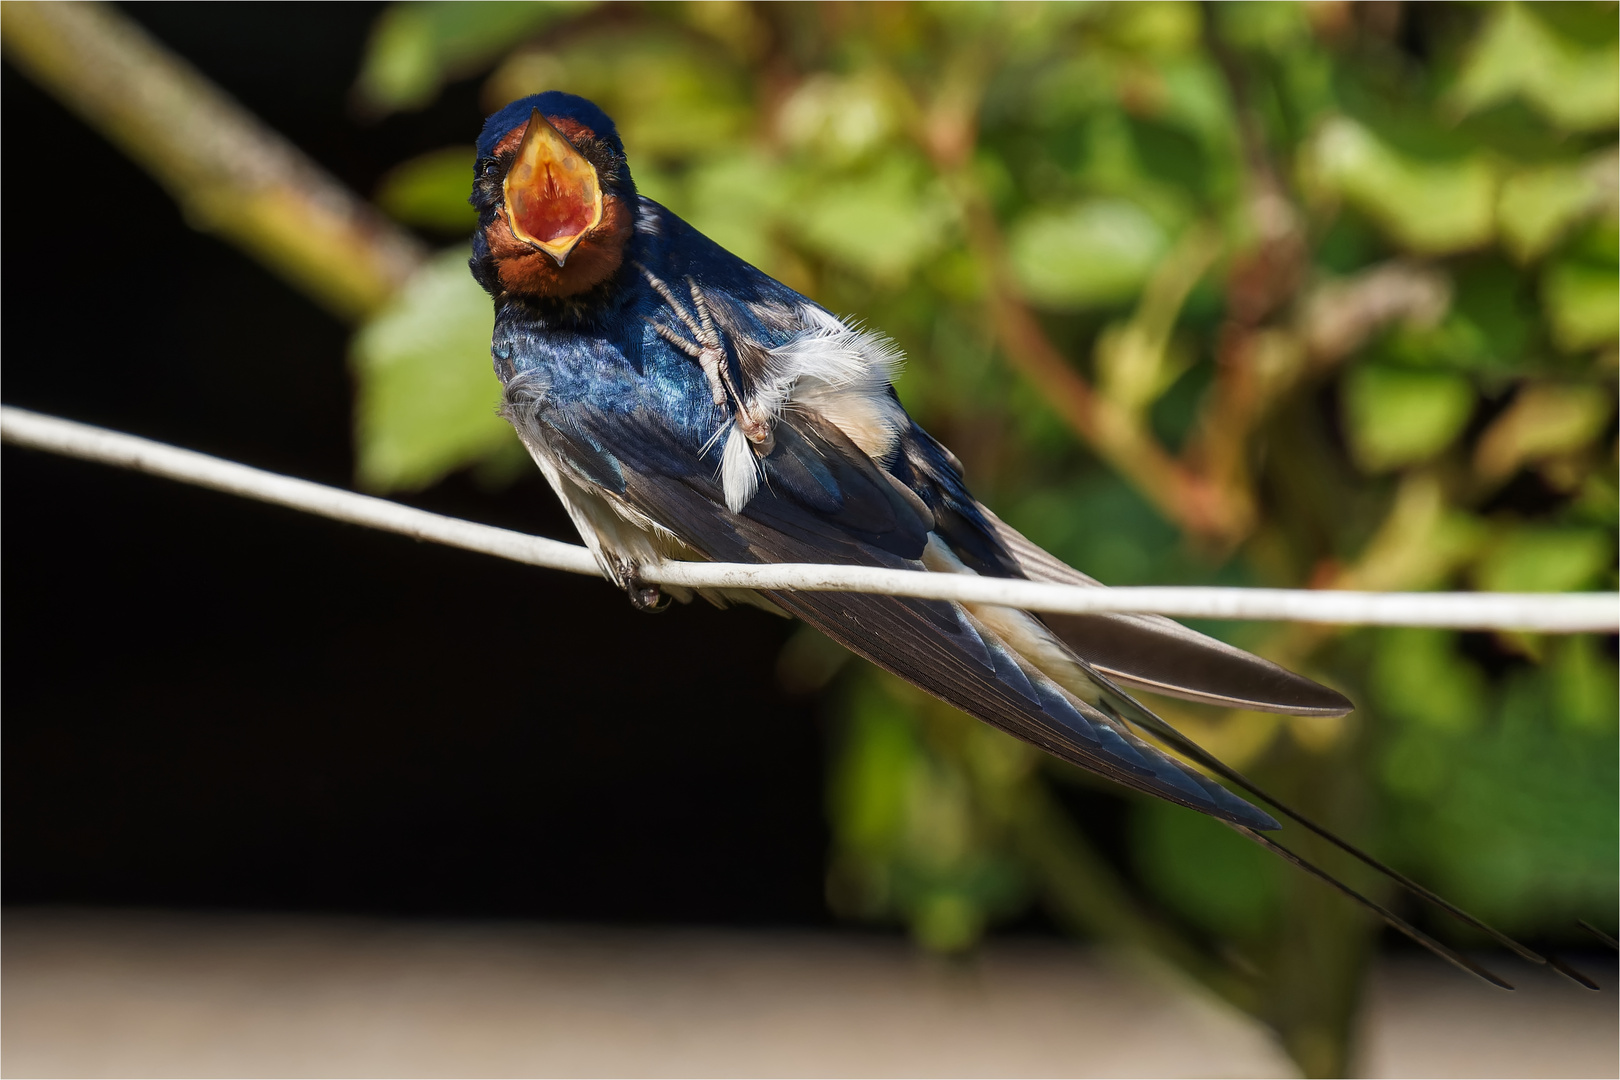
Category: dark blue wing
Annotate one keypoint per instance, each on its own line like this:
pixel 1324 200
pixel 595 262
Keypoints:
pixel 822 500
pixel 1147 652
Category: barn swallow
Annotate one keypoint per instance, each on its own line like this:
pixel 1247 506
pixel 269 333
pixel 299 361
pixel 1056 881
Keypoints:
pixel 685 405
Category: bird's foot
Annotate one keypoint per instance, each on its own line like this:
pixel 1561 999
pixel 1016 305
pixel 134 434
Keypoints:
pixel 756 429
pixel 706 347
pixel 644 597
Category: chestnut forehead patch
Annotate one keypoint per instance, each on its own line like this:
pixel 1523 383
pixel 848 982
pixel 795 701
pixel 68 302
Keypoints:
pixel 572 130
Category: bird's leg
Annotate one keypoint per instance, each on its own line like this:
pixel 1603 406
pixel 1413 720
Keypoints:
pixel 644 596
pixel 708 349
pixel 757 429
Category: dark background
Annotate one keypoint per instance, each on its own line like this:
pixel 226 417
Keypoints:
pixel 212 703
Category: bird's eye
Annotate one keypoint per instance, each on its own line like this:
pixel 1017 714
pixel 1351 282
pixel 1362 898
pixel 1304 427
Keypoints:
pixel 488 168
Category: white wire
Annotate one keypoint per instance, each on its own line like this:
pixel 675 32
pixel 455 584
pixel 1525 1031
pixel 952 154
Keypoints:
pixel 1543 612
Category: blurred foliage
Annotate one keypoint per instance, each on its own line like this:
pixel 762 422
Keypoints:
pixel 423 191
pixel 415 48
pixel 423 395
pixel 1243 293
pixel 1254 294
pixel 911 838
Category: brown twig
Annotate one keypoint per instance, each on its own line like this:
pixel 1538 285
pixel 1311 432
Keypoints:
pixel 948 132
pixel 1262 282
pixel 1118 437
pixel 231 174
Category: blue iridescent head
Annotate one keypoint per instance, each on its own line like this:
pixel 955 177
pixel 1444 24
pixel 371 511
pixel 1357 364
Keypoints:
pixel 555 105
pixel 556 204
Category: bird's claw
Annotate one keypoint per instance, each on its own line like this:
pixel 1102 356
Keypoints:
pixel 645 597
pixel 757 431
pixel 709 350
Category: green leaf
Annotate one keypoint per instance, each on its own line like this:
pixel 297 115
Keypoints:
pixel 1430 206
pixel 1583 303
pixel 1264 27
pixel 867 795
pixel 1493 319
pixel 1586 682
pixel 1166 28
pixel 1515 821
pixel 1119 161
pixel 431 190
pixel 883 223
pixel 1400 416
pixel 738 201
pixel 1539 204
pixel 1571 81
pixel 1137 548
pixel 1536 558
pixel 843 120
pixel 415 48
pixel 1019 28
pixel 673 95
pixel 1094 253
pixel 1172 155
pixel 426 393
pixel 1196 99
pixel 1545 420
pixel 1418 677
pixel 910 838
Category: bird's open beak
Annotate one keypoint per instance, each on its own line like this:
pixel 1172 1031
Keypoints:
pixel 552 195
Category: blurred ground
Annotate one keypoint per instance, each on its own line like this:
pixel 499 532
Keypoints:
pixel 136 994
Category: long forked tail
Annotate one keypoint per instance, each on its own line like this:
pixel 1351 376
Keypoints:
pixel 1600 935
pixel 1128 709
pixel 1445 952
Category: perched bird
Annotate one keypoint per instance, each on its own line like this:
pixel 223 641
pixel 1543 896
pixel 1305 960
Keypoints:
pixel 685 405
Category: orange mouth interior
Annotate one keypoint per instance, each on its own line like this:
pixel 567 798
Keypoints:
pixel 552 195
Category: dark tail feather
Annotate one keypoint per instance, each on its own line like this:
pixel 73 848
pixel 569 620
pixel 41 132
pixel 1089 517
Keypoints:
pixel 1600 935
pixel 1442 951
pixel 1154 725
pixel 1571 974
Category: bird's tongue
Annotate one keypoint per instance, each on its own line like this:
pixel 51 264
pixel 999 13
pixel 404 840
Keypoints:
pixel 552 194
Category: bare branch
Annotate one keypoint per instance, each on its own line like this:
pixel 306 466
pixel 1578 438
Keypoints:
pixel 231 174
